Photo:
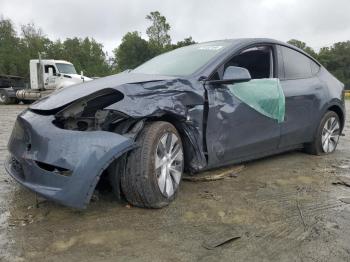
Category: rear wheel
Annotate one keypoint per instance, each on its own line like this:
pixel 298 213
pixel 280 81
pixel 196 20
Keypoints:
pixel 327 136
pixel 154 169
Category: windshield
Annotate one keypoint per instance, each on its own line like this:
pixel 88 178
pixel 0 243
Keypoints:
pixel 182 61
pixel 66 68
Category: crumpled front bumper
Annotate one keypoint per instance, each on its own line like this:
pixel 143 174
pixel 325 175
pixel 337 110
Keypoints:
pixel 60 165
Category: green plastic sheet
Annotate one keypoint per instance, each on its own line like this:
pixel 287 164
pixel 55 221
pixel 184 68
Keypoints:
pixel 264 95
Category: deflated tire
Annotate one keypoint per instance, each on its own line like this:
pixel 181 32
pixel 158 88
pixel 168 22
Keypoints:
pixel 154 169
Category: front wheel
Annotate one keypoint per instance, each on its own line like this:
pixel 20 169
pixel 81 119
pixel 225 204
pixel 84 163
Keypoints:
pixel 154 169
pixel 327 136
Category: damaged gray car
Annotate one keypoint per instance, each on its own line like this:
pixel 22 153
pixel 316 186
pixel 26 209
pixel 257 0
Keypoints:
pixel 192 109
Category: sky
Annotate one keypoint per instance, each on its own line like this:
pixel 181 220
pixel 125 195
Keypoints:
pixel 317 22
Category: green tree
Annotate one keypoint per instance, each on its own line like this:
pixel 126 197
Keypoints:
pixel 157 33
pixel 187 41
pixel 303 46
pixel 10 55
pixel 96 60
pixel 56 50
pixel 337 60
pixel 86 54
pixel 132 52
pixel 33 41
pixel 15 52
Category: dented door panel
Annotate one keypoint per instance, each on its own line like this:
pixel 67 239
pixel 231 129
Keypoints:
pixel 235 130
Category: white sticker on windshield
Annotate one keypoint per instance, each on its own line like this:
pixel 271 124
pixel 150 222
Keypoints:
pixel 210 47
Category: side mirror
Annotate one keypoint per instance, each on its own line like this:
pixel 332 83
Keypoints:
pixel 233 74
pixel 50 71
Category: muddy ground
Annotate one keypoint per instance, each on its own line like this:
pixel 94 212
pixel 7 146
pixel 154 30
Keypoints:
pixel 284 208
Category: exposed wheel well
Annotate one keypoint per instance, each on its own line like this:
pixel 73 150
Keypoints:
pixel 193 154
pixel 177 124
pixel 336 109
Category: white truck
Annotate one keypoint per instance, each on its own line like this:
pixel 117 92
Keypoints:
pixel 46 75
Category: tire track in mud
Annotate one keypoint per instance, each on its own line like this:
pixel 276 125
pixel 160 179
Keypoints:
pixel 278 238
pixel 267 243
pixel 289 231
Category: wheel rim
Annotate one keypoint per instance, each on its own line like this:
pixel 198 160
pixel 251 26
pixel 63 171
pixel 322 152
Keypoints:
pixel 330 135
pixel 169 164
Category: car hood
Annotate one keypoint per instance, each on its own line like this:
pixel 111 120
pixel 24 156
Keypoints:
pixel 79 77
pixel 69 94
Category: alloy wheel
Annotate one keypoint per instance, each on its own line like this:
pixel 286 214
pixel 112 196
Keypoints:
pixel 169 163
pixel 330 135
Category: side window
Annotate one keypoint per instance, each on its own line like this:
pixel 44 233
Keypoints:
pixel 47 69
pixel 296 65
pixel 257 60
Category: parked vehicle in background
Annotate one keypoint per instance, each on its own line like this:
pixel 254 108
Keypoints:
pixel 46 75
pixel 195 108
pixel 9 85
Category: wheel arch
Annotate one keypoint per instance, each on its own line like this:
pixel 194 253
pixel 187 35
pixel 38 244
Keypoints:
pixel 339 111
pixel 193 152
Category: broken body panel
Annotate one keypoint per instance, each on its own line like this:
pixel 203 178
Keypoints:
pixel 61 165
pixel 61 145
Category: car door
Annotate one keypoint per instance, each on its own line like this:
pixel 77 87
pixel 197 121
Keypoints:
pixel 50 80
pixel 302 90
pixel 234 130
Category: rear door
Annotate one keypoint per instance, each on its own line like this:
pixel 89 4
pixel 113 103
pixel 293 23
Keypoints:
pixel 302 90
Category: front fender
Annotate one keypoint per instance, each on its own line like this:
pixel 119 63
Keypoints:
pixel 61 165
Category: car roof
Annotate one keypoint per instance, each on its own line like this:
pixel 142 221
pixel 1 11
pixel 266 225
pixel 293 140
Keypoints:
pixel 248 41
pixel 237 44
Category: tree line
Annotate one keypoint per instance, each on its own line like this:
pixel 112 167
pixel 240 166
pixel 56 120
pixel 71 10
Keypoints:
pixel 87 55
pixel 335 58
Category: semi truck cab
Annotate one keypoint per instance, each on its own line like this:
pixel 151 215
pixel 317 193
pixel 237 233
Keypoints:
pixel 56 74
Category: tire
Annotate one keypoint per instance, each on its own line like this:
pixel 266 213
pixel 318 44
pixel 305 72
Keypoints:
pixel 142 182
pixel 319 145
pixel 6 100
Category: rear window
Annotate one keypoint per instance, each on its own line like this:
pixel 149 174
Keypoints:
pixel 296 65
